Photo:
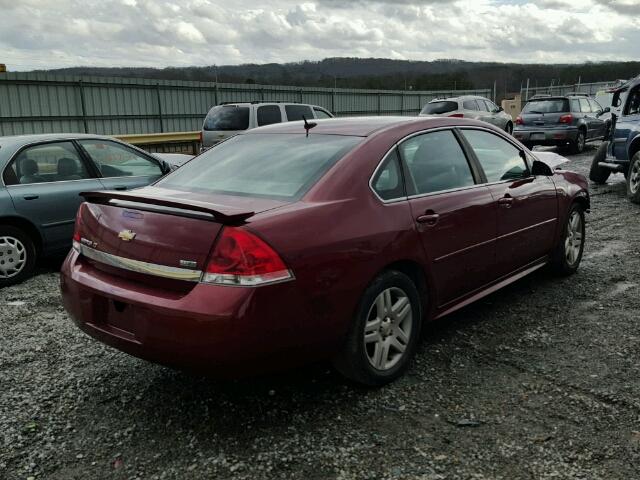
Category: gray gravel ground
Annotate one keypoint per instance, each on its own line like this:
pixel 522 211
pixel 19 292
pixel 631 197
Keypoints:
pixel 538 381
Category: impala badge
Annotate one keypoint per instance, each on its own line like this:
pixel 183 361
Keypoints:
pixel 188 264
pixel 127 235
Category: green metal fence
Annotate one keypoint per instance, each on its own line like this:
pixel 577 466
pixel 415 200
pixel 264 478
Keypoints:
pixel 44 103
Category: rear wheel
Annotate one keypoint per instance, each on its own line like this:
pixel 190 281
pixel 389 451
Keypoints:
pixel 633 179
pixel 580 142
pixel 568 254
pixel 597 173
pixel 17 255
pixel 384 335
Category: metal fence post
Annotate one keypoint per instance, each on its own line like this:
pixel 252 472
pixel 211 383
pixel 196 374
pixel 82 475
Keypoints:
pixel 83 107
pixel 215 94
pixel 379 103
pixel 402 104
pixel 333 101
pixel 159 107
pixel 301 97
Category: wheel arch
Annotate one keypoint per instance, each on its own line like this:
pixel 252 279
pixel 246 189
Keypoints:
pixel 416 273
pixel 634 147
pixel 582 199
pixel 28 227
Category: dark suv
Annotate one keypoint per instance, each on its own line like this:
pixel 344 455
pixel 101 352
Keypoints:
pixel 620 152
pixel 570 120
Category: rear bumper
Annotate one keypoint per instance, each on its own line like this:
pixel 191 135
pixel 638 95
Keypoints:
pixel 220 330
pixel 545 136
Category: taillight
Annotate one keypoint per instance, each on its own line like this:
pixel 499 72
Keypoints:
pixel 519 121
pixel 568 119
pixel 77 228
pixel 457 115
pixel 242 258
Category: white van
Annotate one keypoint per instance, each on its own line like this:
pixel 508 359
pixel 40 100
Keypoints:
pixel 227 119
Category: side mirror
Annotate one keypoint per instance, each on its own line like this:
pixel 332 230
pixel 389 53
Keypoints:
pixel 541 169
pixel 500 109
pixel 606 110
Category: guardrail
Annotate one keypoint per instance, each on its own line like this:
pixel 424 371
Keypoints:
pixel 173 142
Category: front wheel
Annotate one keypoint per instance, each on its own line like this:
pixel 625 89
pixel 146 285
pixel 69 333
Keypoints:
pixel 568 254
pixel 598 174
pixel 633 179
pixel 385 333
pixel 17 256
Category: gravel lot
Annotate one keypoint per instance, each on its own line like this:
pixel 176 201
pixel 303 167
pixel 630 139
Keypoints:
pixel 538 381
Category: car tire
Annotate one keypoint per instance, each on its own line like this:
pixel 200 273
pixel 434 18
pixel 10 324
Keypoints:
pixel 633 179
pixel 598 174
pixel 578 145
pixel 17 255
pixel 385 332
pixel 568 253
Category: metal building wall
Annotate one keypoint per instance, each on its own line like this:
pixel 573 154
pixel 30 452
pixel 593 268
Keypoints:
pixel 45 103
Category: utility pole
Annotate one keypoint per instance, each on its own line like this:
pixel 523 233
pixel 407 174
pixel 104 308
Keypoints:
pixel 526 98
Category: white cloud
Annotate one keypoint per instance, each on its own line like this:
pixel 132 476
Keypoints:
pixel 48 34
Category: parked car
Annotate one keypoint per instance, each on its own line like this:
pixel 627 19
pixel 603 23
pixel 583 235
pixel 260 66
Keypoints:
pixel 228 119
pixel 276 247
pixel 620 152
pixel 42 176
pixel 470 106
pixel 571 120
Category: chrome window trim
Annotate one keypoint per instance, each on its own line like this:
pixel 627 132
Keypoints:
pixel 139 266
pixel 49 183
pixel 437 129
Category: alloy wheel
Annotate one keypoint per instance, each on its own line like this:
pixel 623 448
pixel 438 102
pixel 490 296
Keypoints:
pixel 574 238
pixel 13 256
pixel 581 141
pixel 388 328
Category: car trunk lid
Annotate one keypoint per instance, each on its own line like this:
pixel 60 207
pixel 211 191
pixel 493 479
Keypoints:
pixel 156 231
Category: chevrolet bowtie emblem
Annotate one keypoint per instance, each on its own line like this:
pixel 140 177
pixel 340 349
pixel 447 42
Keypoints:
pixel 127 235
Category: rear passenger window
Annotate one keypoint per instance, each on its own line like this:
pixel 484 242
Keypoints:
pixel 269 114
pixel 51 162
pixel 499 159
pixel 470 105
pixel 296 112
pixel 575 106
pixel 387 182
pixel 584 106
pixel 483 106
pixel 435 162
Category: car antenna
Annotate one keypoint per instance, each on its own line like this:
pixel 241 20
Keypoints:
pixel 308 125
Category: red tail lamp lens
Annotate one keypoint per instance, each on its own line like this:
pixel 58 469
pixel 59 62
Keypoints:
pixel 242 258
pixel 457 115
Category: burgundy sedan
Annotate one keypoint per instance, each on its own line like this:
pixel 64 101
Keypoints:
pixel 293 243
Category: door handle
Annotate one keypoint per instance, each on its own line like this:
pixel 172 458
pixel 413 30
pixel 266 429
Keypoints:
pixel 31 196
pixel 120 187
pixel 429 219
pixel 506 201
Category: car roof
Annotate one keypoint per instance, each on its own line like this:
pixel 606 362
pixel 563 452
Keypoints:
pixel 19 140
pixel 361 126
pixel 461 97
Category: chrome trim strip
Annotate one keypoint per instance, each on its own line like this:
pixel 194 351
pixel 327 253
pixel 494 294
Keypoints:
pixel 451 127
pixel 139 266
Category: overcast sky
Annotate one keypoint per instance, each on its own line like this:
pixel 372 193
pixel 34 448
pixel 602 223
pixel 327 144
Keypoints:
pixel 159 33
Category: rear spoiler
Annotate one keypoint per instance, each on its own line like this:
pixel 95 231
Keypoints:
pixel 220 213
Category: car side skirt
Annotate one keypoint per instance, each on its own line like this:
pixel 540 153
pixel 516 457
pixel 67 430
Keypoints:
pixel 492 287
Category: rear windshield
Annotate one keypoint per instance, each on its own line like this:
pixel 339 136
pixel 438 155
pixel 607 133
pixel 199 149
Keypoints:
pixel 227 117
pixel 552 105
pixel 439 107
pixel 281 166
